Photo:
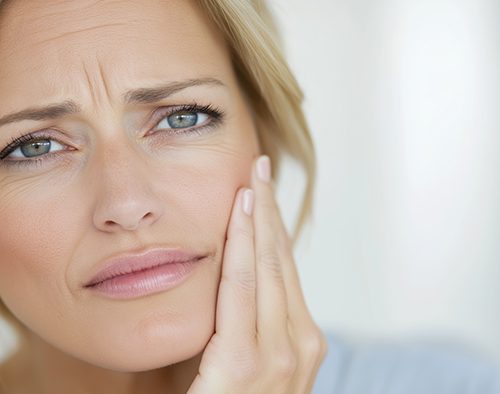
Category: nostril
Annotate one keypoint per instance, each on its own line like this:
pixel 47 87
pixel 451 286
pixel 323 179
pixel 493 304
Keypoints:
pixel 112 223
pixel 126 216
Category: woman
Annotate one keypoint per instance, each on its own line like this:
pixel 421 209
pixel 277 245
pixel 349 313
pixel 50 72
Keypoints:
pixel 141 247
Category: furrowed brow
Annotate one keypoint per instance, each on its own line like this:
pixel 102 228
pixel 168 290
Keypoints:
pixel 157 93
pixel 135 96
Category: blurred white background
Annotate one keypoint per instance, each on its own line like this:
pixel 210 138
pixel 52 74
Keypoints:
pixel 403 100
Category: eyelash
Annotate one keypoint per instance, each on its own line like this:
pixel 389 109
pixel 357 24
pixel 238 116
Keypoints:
pixel 215 114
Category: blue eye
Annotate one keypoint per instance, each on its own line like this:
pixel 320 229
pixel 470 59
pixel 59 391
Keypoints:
pixel 188 118
pixel 182 120
pixel 34 148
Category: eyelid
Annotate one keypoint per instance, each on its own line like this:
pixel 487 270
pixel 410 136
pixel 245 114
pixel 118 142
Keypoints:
pixel 44 134
pixel 161 113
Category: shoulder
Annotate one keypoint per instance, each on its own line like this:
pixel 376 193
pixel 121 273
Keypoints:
pixel 405 367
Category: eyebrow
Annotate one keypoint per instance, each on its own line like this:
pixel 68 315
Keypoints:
pixel 139 96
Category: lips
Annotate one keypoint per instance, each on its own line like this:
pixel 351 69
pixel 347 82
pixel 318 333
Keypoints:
pixel 130 263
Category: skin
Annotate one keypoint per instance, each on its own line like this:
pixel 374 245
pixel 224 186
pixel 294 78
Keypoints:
pixel 120 183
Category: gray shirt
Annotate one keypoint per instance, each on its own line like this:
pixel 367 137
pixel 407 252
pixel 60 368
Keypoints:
pixel 405 368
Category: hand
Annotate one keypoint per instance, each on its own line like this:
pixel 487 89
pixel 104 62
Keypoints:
pixel 265 340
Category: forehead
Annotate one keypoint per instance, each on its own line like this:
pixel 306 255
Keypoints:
pixel 55 48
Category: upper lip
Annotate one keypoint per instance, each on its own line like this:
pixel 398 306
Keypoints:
pixel 132 262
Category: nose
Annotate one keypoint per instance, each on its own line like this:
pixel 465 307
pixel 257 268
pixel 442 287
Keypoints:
pixel 125 199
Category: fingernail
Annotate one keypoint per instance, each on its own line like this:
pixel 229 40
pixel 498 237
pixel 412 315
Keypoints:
pixel 264 168
pixel 248 201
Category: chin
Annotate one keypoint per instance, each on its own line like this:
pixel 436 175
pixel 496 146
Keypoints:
pixel 156 343
pixel 167 351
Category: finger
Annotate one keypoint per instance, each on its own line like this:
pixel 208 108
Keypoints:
pixel 236 309
pixel 278 235
pixel 271 295
pixel 306 338
pixel 309 342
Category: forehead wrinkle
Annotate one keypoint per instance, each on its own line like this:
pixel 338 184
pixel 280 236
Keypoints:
pixel 86 29
pixel 96 81
pixel 103 79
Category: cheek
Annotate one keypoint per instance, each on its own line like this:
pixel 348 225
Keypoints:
pixel 210 202
pixel 39 228
pixel 199 183
pixel 35 221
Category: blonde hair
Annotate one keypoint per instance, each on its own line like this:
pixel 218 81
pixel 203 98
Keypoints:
pixel 274 94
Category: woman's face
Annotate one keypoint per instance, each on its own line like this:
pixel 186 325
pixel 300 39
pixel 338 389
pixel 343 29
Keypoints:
pixel 117 177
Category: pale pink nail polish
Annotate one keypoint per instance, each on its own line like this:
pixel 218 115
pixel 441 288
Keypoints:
pixel 264 168
pixel 248 201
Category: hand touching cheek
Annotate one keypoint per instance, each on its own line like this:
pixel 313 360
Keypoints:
pixel 265 340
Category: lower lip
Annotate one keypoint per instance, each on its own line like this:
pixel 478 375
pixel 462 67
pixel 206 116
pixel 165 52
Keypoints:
pixel 149 281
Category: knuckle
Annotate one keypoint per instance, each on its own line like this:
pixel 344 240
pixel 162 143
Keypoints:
pixel 324 347
pixel 315 345
pixel 245 280
pixel 241 279
pixel 245 366
pixel 269 259
pixel 285 364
